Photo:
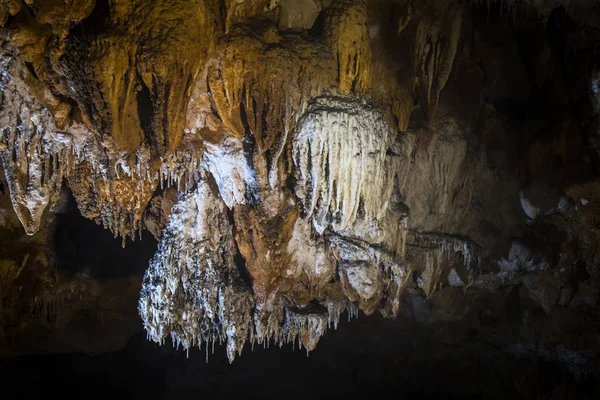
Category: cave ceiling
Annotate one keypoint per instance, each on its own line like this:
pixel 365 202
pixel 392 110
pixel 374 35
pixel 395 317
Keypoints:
pixel 302 161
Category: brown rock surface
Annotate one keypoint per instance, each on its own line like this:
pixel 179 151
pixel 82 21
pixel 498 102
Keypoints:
pixel 302 159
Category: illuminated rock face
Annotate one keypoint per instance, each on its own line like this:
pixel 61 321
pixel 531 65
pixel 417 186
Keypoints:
pixel 193 290
pixel 302 273
pixel 341 164
pixel 33 161
pixel 302 159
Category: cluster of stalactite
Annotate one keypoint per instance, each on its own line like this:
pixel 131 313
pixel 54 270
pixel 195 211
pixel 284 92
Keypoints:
pixel 267 145
pixel 226 270
pixel 345 248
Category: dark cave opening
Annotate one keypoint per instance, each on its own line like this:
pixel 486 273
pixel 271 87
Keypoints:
pixel 85 247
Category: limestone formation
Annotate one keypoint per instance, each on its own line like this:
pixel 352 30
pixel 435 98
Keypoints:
pixel 33 157
pixel 340 154
pixel 193 291
pixel 302 160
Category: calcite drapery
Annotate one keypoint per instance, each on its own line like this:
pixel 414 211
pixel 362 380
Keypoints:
pixel 340 154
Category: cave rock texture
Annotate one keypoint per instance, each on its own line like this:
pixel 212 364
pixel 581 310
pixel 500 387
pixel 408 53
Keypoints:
pixel 301 160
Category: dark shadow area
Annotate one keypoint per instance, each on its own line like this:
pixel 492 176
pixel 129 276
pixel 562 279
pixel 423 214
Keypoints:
pixel 145 111
pixel 82 246
pixel 366 357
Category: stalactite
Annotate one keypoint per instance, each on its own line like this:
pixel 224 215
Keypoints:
pixel 46 304
pixel 193 290
pixel 335 308
pixel 435 255
pixel 34 163
pixel 436 43
pixel 306 324
pixel 268 109
pixel 194 293
pixel 368 273
pixel 348 36
pixel 339 150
